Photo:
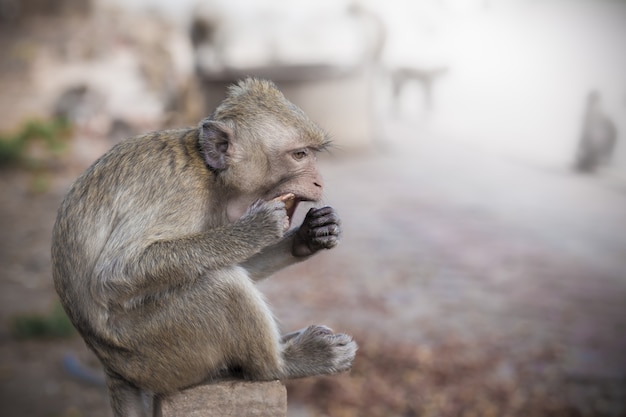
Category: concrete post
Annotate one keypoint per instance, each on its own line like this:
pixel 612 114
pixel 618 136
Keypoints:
pixel 228 399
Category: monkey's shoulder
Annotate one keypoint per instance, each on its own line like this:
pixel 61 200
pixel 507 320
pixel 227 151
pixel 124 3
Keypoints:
pixel 146 159
pixel 147 174
pixel 155 147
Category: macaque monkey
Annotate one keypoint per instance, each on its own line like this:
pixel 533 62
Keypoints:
pixel 157 246
pixel 598 138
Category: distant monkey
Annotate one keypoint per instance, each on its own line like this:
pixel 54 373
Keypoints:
pixel 598 137
pixel 156 247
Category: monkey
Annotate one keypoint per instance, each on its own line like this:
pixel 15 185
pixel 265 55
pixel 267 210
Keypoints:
pixel 598 137
pixel 157 247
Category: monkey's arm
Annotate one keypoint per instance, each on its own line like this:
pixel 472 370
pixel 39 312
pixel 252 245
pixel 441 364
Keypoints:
pixel 273 258
pixel 320 229
pixel 168 263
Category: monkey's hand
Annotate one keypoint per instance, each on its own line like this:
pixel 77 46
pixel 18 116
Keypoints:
pixel 267 220
pixel 320 229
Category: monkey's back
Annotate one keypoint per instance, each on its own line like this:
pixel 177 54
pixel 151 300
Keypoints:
pixel 97 229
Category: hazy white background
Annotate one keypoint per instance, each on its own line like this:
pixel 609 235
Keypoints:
pixel 519 70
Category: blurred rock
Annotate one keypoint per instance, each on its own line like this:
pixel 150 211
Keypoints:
pixel 77 104
pixel 15 10
pixel 328 73
pixel 120 130
pixel 141 73
pixel 95 68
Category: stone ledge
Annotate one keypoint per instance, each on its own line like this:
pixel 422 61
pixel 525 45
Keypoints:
pixel 228 399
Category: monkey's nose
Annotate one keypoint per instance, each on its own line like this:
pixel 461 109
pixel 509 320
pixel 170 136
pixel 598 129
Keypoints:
pixel 318 181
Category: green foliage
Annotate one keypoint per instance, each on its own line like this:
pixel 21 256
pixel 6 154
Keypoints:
pixel 54 324
pixel 50 132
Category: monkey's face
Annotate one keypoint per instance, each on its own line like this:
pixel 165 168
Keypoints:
pixel 297 174
pixel 280 167
pixel 288 172
pixel 262 147
pixel 291 164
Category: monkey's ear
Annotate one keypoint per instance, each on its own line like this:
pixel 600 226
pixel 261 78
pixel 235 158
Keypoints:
pixel 215 138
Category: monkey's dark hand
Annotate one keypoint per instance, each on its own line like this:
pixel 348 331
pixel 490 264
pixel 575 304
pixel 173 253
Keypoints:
pixel 320 229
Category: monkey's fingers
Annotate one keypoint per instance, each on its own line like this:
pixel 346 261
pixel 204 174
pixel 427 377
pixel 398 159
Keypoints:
pixel 323 219
pixel 324 242
pixel 289 199
pixel 326 230
pixel 320 211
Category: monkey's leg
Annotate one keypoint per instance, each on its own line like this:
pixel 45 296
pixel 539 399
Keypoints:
pixel 315 350
pixel 126 399
pixel 265 355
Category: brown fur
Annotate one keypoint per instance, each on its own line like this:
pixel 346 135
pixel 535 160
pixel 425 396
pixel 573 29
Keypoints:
pixel 157 244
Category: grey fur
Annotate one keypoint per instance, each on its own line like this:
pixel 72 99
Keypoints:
pixel 157 246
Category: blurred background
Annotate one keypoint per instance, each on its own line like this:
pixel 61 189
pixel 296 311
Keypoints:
pixel 479 168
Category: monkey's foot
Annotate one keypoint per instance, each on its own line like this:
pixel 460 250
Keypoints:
pixel 316 350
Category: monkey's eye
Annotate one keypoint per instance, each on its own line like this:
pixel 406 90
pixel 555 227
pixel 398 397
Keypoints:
pixel 300 154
